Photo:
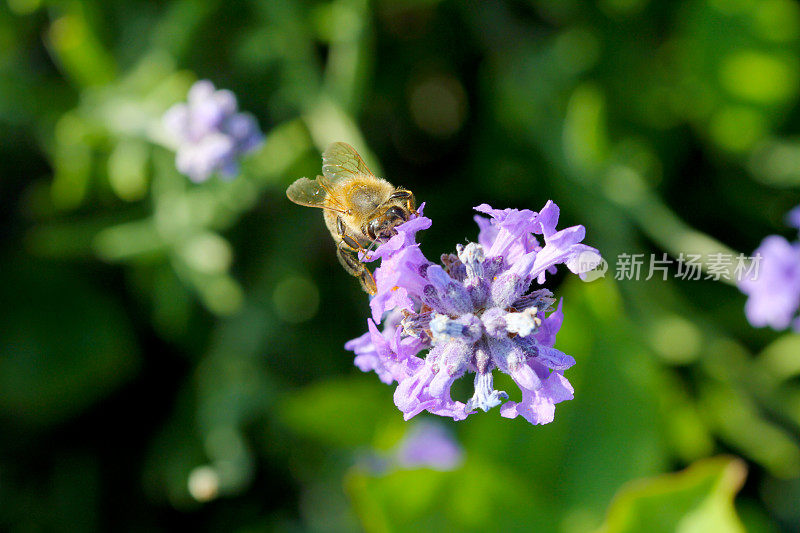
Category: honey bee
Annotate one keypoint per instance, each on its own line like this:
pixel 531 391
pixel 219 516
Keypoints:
pixel 360 209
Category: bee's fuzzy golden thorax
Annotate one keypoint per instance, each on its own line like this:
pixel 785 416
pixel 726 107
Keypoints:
pixel 365 195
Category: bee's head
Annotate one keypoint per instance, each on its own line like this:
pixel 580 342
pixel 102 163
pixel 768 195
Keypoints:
pixel 381 227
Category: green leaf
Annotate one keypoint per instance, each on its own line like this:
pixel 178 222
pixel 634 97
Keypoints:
pixel 479 496
pixel 697 499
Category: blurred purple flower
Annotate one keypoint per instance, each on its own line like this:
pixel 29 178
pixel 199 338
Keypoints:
pixel 793 218
pixel 429 445
pixel 210 132
pixel 774 290
pixel 476 312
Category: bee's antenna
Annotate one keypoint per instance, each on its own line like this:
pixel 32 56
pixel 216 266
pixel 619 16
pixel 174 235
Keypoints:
pixel 370 247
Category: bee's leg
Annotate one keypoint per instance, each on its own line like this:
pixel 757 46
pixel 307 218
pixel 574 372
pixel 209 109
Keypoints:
pixel 354 267
pixel 348 246
pixel 347 239
pixel 350 262
pixel 406 195
pixel 368 282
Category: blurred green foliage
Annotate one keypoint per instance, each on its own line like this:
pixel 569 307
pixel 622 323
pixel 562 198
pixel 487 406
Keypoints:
pixel 171 354
pixel 699 499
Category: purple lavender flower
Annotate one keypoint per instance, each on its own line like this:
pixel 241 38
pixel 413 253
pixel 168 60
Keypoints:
pixel 429 445
pixel 211 134
pixel 388 353
pixel 476 312
pixel 774 291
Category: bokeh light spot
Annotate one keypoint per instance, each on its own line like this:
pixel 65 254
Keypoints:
pixel 624 185
pixel 127 170
pixel 208 253
pixel 776 163
pixel 222 295
pixel 758 77
pixel 203 483
pixel 676 340
pixel 438 105
pixel 296 299
pixel 737 128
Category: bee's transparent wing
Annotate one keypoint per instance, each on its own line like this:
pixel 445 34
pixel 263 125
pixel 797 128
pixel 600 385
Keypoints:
pixel 341 161
pixel 312 193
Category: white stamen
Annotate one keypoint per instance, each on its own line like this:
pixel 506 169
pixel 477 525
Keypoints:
pixel 472 256
pixel 523 323
pixel 485 396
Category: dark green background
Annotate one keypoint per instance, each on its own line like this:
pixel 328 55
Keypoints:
pixel 150 326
